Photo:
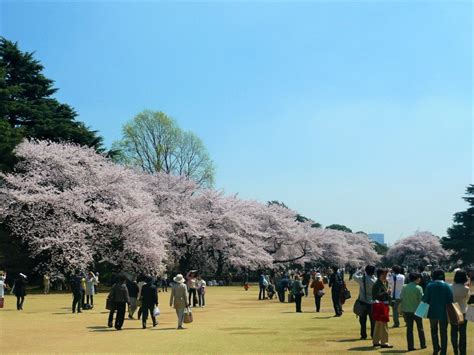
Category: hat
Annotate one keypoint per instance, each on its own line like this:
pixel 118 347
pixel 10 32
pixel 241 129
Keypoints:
pixel 178 278
pixel 318 274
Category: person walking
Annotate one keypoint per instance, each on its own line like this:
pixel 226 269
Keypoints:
pixel 76 292
pixel 381 294
pixel 192 287
pixel 262 284
pixel 149 300
pixel 298 292
pixel 318 286
pixel 83 290
pixel 3 286
pixel 19 290
pixel 306 281
pixel 90 288
pixel 141 281
pixel 438 295
pixel 461 296
pixel 336 283
pixel 46 283
pixel 179 298
pixel 119 298
pixel 366 281
pixel 132 288
pixel 410 298
pixel 396 280
pixel 164 282
pixel 201 290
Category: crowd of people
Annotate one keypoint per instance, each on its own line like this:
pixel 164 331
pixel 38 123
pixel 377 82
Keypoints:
pixel 382 289
pixel 410 296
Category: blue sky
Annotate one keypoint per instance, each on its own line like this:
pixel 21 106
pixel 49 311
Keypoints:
pixel 356 113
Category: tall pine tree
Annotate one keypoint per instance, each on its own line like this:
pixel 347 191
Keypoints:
pixel 28 108
pixel 460 239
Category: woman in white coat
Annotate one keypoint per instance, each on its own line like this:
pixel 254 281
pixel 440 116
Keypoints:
pixel 179 298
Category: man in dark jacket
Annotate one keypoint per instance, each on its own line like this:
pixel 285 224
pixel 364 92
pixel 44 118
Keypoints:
pixel 149 298
pixel 119 298
pixel 282 287
pixel 76 292
pixel 132 288
pixel 336 284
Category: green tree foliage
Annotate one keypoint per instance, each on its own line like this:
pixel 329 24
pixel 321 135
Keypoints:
pixel 155 143
pixel 28 109
pixel 339 227
pixel 460 239
pixel 381 249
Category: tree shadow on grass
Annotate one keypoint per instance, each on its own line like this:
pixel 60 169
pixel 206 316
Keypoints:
pixel 329 317
pixel 362 348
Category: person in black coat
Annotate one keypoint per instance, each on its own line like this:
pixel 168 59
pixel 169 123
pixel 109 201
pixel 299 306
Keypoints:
pixel 149 298
pixel 132 288
pixel 119 298
pixel 336 283
pixel 76 292
pixel 19 290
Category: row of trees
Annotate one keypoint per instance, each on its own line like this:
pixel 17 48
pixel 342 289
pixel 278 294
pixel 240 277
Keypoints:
pixel 75 208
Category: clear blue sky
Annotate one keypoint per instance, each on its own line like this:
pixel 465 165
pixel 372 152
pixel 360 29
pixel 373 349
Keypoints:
pixel 351 113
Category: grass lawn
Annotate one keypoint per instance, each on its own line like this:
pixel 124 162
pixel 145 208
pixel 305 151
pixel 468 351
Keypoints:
pixel 234 321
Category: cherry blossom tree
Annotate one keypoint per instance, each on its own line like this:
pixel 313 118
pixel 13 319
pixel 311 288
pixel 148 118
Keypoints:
pixel 72 208
pixel 422 248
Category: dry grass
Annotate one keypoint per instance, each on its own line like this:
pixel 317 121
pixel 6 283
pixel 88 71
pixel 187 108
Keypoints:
pixel 233 322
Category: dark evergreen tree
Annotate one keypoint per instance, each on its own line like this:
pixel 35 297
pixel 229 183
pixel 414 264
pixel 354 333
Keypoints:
pixel 29 109
pixel 339 227
pixel 460 239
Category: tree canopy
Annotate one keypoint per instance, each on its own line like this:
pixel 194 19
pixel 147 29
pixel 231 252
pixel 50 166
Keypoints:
pixel 28 108
pixel 460 239
pixel 155 143
pixel 339 227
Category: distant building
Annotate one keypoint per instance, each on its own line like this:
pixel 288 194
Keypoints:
pixel 377 237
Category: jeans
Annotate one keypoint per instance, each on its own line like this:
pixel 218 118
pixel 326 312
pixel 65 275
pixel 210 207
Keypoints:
pixel 380 333
pixel 120 308
pixel 90 298
pixel 409 319
pixel 281 295
pixel 317 302
pixel 459 343
pixel 132 307
pixel 306 290
pixel 396 317
pixel 19 302
pixel 366 312
pixel 298 302
pixel 145 311
pixel 336 302
pixel 201 299
pixel 442 325
pixel 164 285
pixel 180 314
pixel 76 302
pixel 192 294
pixel 261 293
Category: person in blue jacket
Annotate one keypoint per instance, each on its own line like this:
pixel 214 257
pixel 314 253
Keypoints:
pixel 262 283
pixel 438 295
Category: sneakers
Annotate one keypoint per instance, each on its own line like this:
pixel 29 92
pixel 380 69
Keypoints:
pixel 386 346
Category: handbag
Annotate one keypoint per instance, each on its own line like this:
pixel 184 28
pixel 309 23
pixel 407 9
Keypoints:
pixel 358 308
pixel 422 310
pixel 380 312
pixel 156 311
pixel 470 314
pixel 109 304
pixel 188 315
pixel 455 316
pixel 346 294
pixel 2 302
pixel 320 293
